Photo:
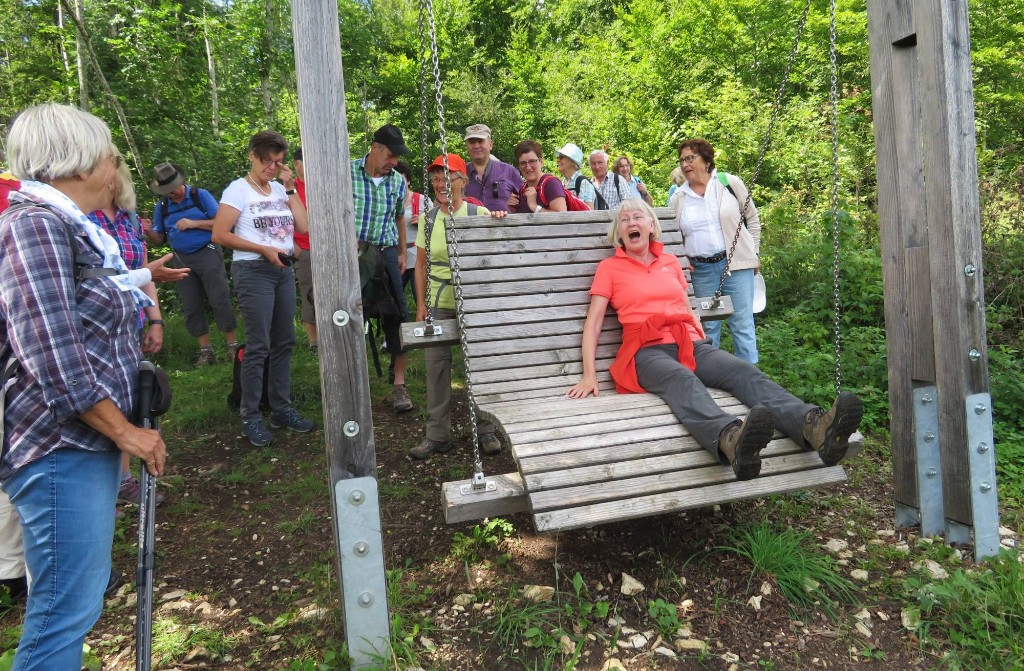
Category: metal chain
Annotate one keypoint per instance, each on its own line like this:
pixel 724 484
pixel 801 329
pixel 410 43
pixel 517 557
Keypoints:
pixel 453 258
pixel 423 150
pixel 717 299
pixel 834 101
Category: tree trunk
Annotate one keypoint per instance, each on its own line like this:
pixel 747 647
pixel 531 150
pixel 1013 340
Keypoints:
pixel 64 51
pixel 268 103
pixel 78 12
pixel 211 69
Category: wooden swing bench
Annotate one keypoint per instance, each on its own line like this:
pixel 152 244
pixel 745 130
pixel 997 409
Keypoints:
pixel 582 462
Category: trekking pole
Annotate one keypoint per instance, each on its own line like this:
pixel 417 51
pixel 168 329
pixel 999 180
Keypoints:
pixel 147 529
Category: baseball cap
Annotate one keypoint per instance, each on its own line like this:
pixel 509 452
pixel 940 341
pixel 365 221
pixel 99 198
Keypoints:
pixel 391 137
pixel 572 152
pixel 455 163
pixel 478 131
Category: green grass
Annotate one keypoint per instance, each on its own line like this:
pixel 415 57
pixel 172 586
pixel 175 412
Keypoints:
pixel 173 640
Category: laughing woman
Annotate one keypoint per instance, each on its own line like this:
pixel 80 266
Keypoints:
pixel 664 351
pixel 541 192
pixel 258 217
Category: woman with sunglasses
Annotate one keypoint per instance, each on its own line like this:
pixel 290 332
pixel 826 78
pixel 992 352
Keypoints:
pixel 717 237
pixel 258 217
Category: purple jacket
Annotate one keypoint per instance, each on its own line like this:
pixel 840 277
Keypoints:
pixel 499 181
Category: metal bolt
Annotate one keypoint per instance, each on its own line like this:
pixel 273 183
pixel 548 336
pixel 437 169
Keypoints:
pixel 340 318
pixel 980 408
pixel 929 437
pixel 969 270
pixel 351 428
pixel 982 448
pixel 365 599
pixel 931 473
pixel 926 399
pixel 985 487
pixel 357 497
pixel 361 548
pixel 974 355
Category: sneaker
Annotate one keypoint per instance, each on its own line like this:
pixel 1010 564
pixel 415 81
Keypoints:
pixel 828 433
pixel 232 350
pixel 400 399
pixel 257 433
pixel 206 357
pixel 489 443
pixel 428 447
pixel 291 419
pixel 742 443
pixel 131 491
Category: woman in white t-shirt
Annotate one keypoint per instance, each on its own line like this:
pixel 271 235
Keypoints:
pixel 264 214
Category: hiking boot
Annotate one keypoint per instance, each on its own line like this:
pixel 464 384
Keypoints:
pixel 232 350
pixel 206 357
pixel 489 443
pixel 131 491
pixel 828 433
pixel 291 419
pixel 742 443
pixel 428 447
pixel 400 399
pixel 257 433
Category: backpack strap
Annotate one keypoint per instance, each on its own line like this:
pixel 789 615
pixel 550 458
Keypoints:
pixel 540 190
pixel 198 202
pixel 723 177
pixel 615 181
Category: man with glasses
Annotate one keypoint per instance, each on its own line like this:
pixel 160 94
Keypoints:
pixel 490 181
pixel 612 187
pixel 378 193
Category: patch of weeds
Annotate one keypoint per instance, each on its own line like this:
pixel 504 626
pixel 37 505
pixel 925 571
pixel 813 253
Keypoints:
pixel 253 469
pixel 978 614
pixel 398 492
pixel 665 617
pixel 872 653
pixel 302 523
pixel 581 610
pixel 536 625
pixel 173 640
pixel 480 540
pixel 806 577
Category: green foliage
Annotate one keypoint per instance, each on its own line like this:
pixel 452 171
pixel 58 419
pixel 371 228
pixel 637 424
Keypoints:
pixel 665 617
pixel 977 615
pixel 481 540
pixel 805 576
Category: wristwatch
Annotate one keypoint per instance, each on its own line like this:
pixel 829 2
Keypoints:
pixel 539 208
pixel 289 192
pixel 156 322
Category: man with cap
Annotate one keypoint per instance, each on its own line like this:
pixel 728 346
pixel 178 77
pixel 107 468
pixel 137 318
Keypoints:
pixel 570 160
pixel 378 193
pixel 490 181
pixel 184 219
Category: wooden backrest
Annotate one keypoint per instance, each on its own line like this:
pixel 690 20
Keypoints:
pixel 525 286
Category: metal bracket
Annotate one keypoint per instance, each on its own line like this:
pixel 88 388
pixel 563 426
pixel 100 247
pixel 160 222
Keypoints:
pixel 982 461
pixel 429 330
pixel 928 460
pixel 710 305
pixel 478 486
pixel 364 588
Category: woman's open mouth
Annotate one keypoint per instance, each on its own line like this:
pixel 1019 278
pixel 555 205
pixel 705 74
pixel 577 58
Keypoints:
pixel 634 235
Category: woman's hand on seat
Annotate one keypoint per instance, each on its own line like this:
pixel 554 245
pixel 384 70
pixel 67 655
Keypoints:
pixel 583 388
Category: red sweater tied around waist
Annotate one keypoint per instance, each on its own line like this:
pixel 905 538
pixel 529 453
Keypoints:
pixel 640 334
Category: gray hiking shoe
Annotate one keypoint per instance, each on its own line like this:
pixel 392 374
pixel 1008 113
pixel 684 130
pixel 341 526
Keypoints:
pixel 428 447
pixel 400 399
pixel 291 419
pixel 206 357
pixel 489 443
pixel 742 443
pixel 257 433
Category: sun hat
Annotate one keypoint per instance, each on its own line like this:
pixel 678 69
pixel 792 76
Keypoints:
pixel 573 153
pixel 760 297
pixel 166 178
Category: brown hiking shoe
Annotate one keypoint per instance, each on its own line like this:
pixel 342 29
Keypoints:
pixel 428 447
pixel 206 357
pixel 828 433
pixel 489 443
pixel 400 399
pixel 742 444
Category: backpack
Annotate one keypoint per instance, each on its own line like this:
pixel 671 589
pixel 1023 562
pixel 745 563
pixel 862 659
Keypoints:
pixel 572 203
pixel 235 397
pixel 377 293
pixel 723 177
pixel 193 195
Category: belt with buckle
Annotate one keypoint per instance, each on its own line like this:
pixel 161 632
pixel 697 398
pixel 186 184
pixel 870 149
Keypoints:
pixel 708 259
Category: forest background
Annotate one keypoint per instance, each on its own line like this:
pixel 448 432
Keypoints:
pixel 190 81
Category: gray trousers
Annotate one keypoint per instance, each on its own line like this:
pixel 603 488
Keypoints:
pixel 266 299
pixel 207 280
pixel 658 370
pixel 439 389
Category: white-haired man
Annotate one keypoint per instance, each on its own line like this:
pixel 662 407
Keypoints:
pixel 612 188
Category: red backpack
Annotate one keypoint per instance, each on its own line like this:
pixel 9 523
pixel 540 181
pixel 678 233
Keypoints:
pixel 572 203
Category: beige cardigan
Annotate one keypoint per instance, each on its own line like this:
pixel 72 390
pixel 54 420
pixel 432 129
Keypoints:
pixel 749 243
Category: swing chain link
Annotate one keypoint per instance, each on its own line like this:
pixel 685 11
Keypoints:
pixel 479 483
pixel 424 149
pixel 716 300
pixel 834 102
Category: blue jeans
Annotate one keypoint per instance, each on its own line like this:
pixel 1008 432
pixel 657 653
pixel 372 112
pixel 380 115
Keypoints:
pixel 739 286
pixel 66 504
pixel 266 299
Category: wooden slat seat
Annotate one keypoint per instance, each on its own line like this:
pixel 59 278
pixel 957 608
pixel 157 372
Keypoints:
pixel 525 282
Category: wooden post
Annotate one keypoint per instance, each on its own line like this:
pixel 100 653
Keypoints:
pixel 348 426
pixel 923 102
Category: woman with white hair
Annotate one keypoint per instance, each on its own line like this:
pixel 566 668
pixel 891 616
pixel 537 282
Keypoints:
pixel 68 308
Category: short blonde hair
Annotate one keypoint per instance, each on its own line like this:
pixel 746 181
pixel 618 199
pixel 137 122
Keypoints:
pixel 124 188
pixel 632 205
pixel 52 141
pixel 677 176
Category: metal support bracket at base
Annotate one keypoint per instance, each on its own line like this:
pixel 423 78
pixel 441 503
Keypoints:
pixel 361 548
pixel 428 331
pixel 481 487
pixel 928 461
pixel 982 460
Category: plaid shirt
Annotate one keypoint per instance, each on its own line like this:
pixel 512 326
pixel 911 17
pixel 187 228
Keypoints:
pixel 377 206
pixel 77 346
pixel 127 231
pixel 611 194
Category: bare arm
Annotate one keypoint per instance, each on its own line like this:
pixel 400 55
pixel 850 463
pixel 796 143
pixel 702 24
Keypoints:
pixel 591 331
pixel 146 444
pixel 420 284
pixel 225 220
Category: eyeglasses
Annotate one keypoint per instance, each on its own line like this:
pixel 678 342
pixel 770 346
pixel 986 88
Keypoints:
pixel 116 160
pixel 687 160
pixel 270 162
pixel 439 179
pixel 529 162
